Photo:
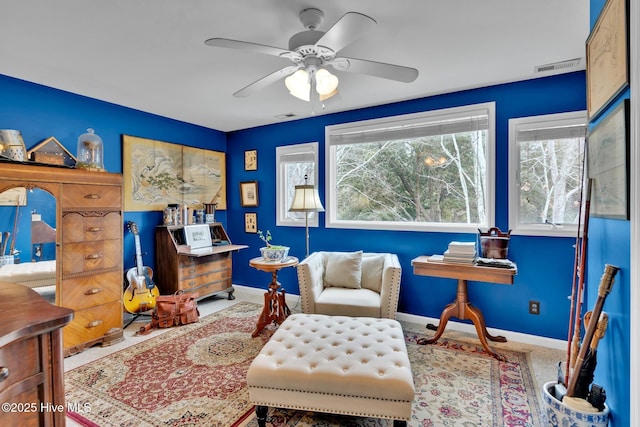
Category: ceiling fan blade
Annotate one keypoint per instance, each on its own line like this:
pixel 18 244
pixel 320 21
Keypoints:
pixel 348 28
pixel 378 69
pixel 265 81
pixel 253 47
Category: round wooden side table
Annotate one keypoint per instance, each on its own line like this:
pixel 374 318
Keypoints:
pixel 275 308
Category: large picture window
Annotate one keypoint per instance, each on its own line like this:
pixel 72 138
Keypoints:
pixel 546 173
pixel 294 163
pixel 426 171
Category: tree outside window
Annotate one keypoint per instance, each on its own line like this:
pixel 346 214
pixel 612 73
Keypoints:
pixel 430 170
pixel 294 163
pixel 547 173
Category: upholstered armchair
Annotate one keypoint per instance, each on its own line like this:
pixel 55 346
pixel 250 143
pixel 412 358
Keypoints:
pixel 353 284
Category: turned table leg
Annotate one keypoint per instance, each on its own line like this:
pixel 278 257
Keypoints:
pixel 462 309
pixel 275 308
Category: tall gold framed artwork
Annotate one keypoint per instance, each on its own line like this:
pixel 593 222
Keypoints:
pixel 607 56
pixel 159 173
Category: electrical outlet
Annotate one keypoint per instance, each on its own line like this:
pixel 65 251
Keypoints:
pixel 534 307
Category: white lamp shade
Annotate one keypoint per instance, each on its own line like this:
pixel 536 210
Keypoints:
pixel 326 82
pixel 306 199
pixel 298 84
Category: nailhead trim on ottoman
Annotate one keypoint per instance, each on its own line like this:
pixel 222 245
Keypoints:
pixel 336 364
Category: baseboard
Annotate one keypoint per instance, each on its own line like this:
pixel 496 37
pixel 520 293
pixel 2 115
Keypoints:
pixel 257 295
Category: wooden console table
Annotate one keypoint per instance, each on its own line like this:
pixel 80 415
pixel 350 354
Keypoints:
pixel 461 307
pixel 275 308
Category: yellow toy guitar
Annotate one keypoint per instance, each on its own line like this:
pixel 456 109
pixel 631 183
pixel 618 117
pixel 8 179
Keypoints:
pixel 141 293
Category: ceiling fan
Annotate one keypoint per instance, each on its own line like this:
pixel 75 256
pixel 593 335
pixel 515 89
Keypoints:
pixel 313 53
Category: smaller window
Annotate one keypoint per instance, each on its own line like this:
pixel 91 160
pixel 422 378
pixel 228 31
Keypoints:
pixel 294 163
pixel 546 173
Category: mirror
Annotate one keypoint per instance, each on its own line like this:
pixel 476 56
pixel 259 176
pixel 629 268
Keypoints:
pixel 28 246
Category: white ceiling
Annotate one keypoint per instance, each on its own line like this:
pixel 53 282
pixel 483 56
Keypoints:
pixel 150 54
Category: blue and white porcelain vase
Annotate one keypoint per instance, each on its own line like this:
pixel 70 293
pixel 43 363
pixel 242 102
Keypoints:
pixel 557 414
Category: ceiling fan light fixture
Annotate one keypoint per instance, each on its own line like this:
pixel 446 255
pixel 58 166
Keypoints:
pixel 326 83
pixel 298 84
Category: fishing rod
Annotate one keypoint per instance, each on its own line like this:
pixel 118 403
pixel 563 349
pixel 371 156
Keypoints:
pixel 575 312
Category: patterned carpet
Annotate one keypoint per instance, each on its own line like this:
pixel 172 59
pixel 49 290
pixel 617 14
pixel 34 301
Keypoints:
pixel 194 375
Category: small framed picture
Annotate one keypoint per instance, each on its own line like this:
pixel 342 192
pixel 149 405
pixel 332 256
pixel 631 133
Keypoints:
pixel 251 222
pixel 249 193
pixel 251 160
pixel 197 236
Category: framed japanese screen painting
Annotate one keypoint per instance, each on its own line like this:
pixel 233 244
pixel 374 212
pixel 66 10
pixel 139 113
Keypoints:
pixel 159 173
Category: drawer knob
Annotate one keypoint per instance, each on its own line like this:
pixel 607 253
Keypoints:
pixel 191 283
pixel 94 323
pixel 94 229
pixel 93 291
pixel 93 256
pixel 92 196
pixel 4 373
pixel 192 270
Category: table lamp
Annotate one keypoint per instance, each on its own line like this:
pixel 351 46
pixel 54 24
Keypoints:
pixel 306 199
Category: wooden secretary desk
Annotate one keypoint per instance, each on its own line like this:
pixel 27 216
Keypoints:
pixel 89 230
pixel 201 273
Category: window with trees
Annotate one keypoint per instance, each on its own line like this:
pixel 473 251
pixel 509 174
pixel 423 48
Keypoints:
pixel 546 173
pixel 294 163
pixel 426 171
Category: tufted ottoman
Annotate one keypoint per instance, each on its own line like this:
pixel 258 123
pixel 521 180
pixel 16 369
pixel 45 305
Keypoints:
pixel 336 364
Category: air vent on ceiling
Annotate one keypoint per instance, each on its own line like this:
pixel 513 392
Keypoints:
pixel 285 116
pixel 563 66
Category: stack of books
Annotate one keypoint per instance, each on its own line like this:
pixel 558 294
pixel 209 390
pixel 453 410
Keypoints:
pixel 461 253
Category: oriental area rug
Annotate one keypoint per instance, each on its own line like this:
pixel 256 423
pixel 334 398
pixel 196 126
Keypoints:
pixel 194 375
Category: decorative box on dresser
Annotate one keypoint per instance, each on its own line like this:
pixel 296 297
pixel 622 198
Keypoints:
pixel 31 361
pixel 202 273
pixel 89 270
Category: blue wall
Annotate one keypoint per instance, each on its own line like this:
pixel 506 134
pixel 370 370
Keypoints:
pixel 610 243
pixel 545 265
pixel 40 112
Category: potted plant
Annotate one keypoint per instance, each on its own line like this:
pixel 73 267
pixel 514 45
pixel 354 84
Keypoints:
pixel 271 252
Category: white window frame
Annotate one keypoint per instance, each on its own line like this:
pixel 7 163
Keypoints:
pixel 532 123
pixel 408 120
pixel 283 188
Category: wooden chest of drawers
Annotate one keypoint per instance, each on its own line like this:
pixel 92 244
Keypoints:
pixel 31 365
pixel 91 264
pixel 200 274
pixel 88 236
